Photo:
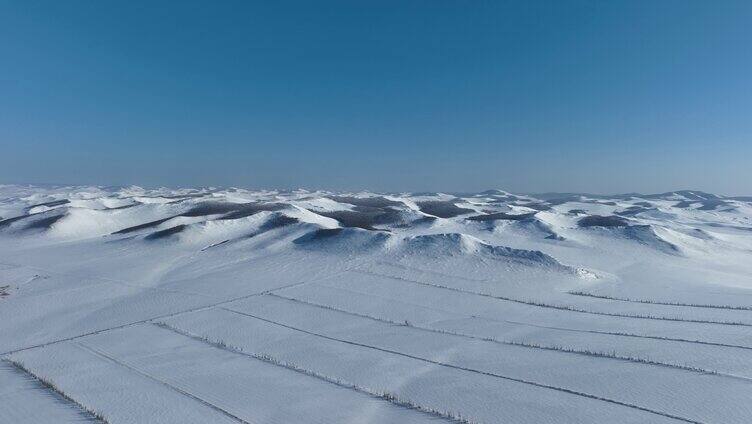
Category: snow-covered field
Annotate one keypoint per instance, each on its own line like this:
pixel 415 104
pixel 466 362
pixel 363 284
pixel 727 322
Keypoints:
pixel 127 305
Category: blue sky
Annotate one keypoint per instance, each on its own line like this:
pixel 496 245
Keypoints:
pixel 526 96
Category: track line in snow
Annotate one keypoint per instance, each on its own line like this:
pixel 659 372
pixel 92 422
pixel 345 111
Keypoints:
pixel 550 306
pixel 529 324
pixel 657 302
pixel 141 321
pixel 87 413
pixel 104 355
pixel 388 397
pixel 619 334
pixel 561 349
pixel 472 370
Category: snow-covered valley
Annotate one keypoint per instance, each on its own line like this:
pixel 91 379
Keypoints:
pixel 131 305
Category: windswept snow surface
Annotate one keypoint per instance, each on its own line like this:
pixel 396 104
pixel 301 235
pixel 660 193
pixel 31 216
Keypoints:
pixel 132 305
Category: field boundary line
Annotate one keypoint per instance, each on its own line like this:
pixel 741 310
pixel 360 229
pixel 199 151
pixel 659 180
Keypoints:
pixel 553 348
pixel 474 371
pixel 87 412
pixel 556 307
pixel 386 396
pixel 186 393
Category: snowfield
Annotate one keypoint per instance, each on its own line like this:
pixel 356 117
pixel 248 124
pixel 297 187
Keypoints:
pixel 128 305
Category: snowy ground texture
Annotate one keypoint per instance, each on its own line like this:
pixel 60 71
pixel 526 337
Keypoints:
pixel 126 305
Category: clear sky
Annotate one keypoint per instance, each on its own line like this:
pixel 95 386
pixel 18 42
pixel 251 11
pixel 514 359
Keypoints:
pixel 527 96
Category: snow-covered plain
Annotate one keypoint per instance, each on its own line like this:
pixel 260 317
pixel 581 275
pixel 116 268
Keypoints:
pixel 128 305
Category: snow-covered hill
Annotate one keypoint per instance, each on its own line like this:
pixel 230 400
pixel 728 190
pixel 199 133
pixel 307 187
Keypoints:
pixel 128 305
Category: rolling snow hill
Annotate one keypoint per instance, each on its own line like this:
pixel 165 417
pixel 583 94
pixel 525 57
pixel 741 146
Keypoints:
pixel 128 305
